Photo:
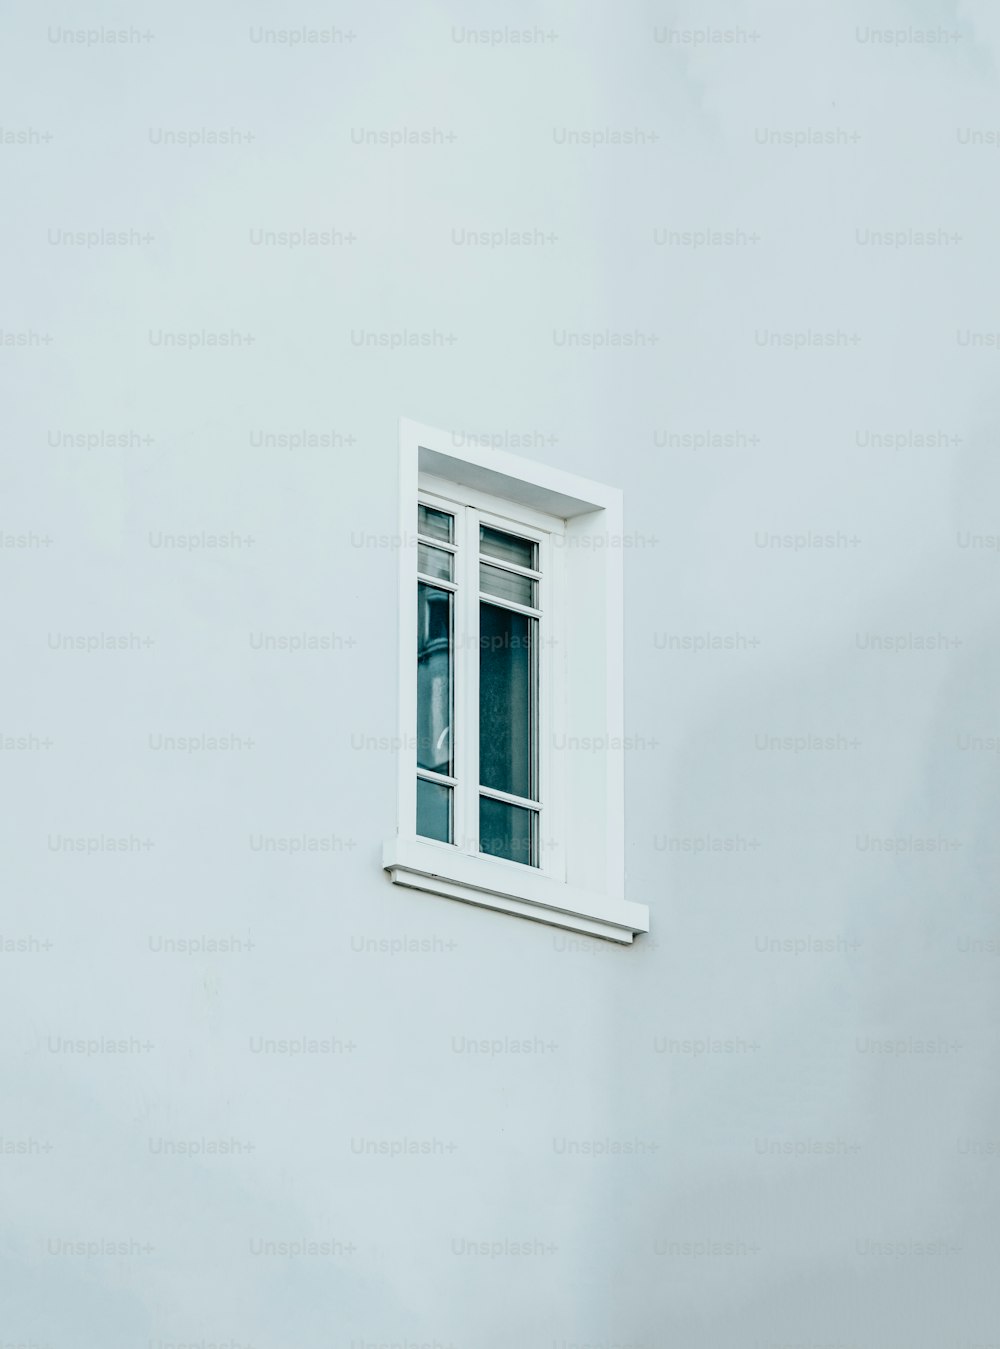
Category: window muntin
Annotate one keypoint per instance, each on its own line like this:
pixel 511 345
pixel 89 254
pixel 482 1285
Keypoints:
pixel 486 799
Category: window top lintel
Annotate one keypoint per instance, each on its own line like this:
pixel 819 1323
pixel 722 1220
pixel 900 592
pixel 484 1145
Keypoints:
pixel 508 476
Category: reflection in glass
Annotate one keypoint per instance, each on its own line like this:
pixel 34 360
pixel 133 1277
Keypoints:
pixel 433 810
pixel 508 831
pixel 507 585
pixel 434 524
pixel 507 548
pixel 434 679
pixel 507 701
pixel 434 562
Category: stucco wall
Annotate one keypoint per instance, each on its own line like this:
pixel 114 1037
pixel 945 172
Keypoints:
pixel 772 1121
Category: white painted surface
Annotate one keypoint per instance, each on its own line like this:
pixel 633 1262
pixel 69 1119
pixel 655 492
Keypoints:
pixel 792 742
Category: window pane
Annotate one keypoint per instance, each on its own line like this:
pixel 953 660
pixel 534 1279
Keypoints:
pixel 508 831
pixel 434 562
pixel 507 700
pixel 507 585
pixel 507 548
pixel 433 810
pixel 434 679
pixel 435 524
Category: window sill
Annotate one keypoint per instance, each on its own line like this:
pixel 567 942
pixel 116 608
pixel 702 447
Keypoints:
pixel 442 870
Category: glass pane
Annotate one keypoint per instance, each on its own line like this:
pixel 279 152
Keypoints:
pixel 434 679
pixel 507 585
pixel 435 524
pixel 507 677
pixel 507 548
pixel 508 831
pixel 433 810
pixel 434 562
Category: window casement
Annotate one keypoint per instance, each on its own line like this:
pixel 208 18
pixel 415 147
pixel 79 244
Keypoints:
pixel 510 773
pixel 487 676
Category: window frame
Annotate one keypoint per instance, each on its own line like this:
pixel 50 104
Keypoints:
pixel 470 509
pixel 581 885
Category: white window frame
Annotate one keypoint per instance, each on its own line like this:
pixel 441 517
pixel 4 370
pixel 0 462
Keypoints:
pixel 469 508
pixel 580 880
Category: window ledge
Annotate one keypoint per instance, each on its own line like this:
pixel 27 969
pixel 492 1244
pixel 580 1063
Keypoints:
pixel 442 870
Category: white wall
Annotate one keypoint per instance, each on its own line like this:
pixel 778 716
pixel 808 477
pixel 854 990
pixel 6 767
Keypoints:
pixel 901 1147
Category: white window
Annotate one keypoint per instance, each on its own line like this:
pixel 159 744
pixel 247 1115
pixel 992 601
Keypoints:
pixel 487 672
pixel 510 788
